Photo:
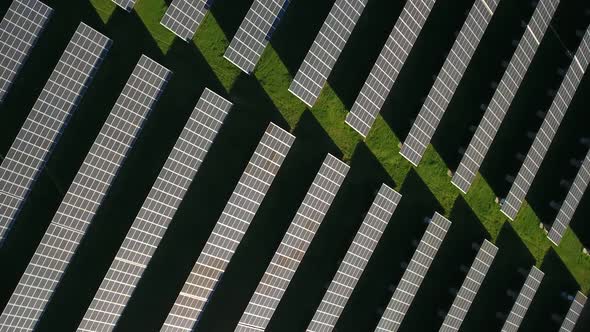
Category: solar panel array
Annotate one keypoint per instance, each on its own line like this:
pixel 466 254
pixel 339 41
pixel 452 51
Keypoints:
pixel 294 245
pixel 573 313
pixel 156 213
pixel 183 17
pixel 523 301
pixel 573 198
pixel 504 94
pixel 551 123
pixel 251 39
pixel 84 197
pixel 19 30
pixel 230 228
pixel 415 272
pixel 387 67
pixel 448 80
pixel 468 291
pixel 355 261
pixel 125 4
pixel 326 48
pixel 48 118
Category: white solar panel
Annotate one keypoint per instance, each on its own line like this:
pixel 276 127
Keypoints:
pixel 125 4
pixel 230 228
pixel 48 118
pixel 19 30
pixel 468 291
pixel 573 313
pixel 293 247
pixel 390 62
pixel 183 17
pixel 448 80
pixel 504 94
pixel 355 261
pixel 414 275
pixel 568 208
pixel 84 197
pixel 326 48
pixel 551 123
pixel 523 301
pixel 251 39
pixel 156 213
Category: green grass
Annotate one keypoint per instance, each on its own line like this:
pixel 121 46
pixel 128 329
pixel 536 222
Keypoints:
pixel 274 78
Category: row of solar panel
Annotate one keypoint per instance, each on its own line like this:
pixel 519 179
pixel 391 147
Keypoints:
pixel 245 49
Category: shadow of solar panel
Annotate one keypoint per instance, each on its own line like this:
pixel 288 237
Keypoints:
pixel 294 245
pixel 388 65
pixel 470 287
pixel 84 197
pixel 326 48
pixel 229 229
pixel 19 31
pixel 544 137
pixel 156 213
pixel 504 94
pixel 49 116
pixel 448 80
pixel 183 17
pixel 523 301
pixel 355 261
pixel 414 275
pixel 573 313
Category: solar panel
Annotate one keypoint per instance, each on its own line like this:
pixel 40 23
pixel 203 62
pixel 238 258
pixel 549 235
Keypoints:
pixel 84 197
pixel 294 245
pixel 523 301
pixel 504 94
pixel 125 4
pixel 251 39
pixel 326 48
pixel 230 228
pixel 156 213
pixel 183 17
pixel 48 118
pixel 415 272
pixel 390 62
pixel 355 261
pixel 551 123
pixel 448 80
pixel 573 313
pixel 468 291
pixel 568 208
pixel 19 30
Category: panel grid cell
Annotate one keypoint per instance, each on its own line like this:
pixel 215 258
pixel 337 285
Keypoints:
pixel 448 80
pixel 253 35
pixel 84 197
pixel 230 228
pixel 523 301
pixel 544 137
pixel 293 247
pixel 48 118
pixel 414 275
pixel 504 94
pixel 573 313
pixel 355 261
pixel 570 204
pixel 183 17
pixel 326 48
pixel 19 31
pixel 127 5
pixel 156 213
pixel 473 280
pixel 388 65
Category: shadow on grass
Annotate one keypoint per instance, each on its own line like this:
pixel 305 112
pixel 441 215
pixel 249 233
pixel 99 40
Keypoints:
pixel 457 250
pixel 269 226
pixel 424 61
pixel 229 14
pixel 502 276
pixel 579 223
pixel 548 300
